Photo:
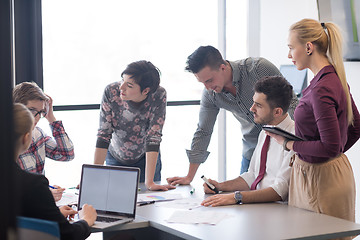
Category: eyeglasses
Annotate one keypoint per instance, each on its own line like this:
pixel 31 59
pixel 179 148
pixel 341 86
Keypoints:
pixel 36 113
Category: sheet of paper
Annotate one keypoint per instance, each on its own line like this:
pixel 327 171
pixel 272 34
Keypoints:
pixel 195 217
pixel 69 197
pixel 189 203
pixel 157 196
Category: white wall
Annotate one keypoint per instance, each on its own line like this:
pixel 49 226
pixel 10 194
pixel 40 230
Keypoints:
pixel 352 75
pixel 275 19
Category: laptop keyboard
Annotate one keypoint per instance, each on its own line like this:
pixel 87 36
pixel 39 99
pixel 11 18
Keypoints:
pixel 107 219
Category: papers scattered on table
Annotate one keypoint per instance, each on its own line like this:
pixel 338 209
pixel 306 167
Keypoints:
pixel 188 204
pixel 157 196
pixel 69 197
pixel 194 217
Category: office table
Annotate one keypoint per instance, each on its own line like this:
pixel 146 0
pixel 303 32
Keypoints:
pixel 247 221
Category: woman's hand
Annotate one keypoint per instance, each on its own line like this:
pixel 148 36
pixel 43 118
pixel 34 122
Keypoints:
pixel 156 187
pixel 68 212
pixel 57 192
pixel 279 139
pixel 49 110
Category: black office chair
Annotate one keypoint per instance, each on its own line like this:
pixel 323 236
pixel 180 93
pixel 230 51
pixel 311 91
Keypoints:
pixel 298 79
pixel 35 229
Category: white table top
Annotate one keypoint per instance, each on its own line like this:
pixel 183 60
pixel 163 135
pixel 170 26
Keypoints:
pixel 247 221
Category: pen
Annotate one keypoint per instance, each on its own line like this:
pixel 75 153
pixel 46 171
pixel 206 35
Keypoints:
pixel 146 203
pixel 52 187
pixel 72 188
pixel 212 187
pixel 192 190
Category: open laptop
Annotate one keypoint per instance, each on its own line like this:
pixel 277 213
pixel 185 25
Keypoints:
pixel 112 191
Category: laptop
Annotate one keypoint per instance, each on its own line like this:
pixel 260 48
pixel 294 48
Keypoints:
pixel 112 191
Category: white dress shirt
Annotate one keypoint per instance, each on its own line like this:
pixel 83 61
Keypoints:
pixel 277 174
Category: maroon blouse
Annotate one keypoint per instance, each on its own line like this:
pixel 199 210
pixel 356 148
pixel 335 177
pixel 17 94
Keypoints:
pixel 321 119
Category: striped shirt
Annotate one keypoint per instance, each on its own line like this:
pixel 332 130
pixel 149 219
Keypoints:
pixel 245 73
pixel 42 145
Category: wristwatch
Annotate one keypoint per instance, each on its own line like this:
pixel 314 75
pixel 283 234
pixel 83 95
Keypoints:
pixel 238 197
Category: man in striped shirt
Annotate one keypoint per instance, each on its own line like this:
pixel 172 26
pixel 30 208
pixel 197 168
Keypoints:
pixel 228 85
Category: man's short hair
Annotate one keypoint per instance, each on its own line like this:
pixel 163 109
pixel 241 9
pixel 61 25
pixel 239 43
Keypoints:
pixel 202 57
pixel 144 73
pixel 278 91
pixel 28 91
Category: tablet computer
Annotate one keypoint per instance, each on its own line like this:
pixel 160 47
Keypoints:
pixel 282 132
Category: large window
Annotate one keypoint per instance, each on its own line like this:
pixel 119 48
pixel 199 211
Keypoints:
pixel 87 44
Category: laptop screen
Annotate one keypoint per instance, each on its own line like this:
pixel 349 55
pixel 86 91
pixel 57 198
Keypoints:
pixel 109 189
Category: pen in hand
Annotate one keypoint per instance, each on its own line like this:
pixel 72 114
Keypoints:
pixel 146 203
pixel 212 187
pixel 52 187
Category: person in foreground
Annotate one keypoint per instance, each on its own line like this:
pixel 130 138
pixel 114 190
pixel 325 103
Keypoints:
pixel 36 200
pixel 327 118
pixel 131 121
pixel 267 179
pixel 59 148
pixel 228 85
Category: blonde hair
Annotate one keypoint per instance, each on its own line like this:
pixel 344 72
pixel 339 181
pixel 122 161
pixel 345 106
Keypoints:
pixel 328 41
pixel 23 122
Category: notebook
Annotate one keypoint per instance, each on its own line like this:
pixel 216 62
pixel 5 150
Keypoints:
pixel 112 191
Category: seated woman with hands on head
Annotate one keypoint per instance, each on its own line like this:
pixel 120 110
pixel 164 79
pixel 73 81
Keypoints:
pixel 36 200
pixel 59 148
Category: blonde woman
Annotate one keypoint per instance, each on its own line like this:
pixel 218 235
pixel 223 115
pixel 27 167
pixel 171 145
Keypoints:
pixel 327 118
pixel 36 200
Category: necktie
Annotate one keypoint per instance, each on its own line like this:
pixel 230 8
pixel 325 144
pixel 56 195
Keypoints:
pixel 263 158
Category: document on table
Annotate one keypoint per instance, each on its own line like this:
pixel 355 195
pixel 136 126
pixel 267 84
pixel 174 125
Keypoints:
pixel 69 197
pixel 195 217
pixel 188 203
pixel 157 197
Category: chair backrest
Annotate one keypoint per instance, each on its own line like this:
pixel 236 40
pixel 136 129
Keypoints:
pixel 34 229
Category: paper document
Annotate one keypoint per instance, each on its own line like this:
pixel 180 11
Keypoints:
pixel 194 217
pixel 69 197
pixel 188 203
pixel 157 196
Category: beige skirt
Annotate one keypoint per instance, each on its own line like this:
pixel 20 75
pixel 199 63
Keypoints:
pixel 327 188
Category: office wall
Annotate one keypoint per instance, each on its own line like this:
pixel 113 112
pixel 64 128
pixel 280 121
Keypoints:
pixel 274 25
pixel 352 74
pixel 276 18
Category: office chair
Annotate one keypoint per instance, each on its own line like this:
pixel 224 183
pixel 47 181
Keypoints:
pixel 35 229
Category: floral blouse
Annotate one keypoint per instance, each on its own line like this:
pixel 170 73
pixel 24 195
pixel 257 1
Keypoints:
pixel 128 129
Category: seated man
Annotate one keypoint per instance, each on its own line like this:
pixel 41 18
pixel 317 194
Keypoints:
pixel 266 180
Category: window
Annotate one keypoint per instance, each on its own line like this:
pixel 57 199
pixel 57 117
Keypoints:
pixel 87 44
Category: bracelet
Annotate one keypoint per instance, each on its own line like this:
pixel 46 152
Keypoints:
pixel 284 145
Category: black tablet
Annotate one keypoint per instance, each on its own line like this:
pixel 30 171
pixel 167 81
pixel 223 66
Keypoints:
pixel 282 132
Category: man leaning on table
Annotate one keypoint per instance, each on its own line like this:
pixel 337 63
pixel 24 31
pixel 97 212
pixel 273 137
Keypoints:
pixel 267 179
pixel 228 85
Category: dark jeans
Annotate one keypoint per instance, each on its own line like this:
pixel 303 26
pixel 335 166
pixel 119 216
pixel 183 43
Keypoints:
pixel 110 160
